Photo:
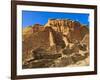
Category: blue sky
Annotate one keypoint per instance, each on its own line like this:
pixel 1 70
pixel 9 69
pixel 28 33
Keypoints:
pixel 37 17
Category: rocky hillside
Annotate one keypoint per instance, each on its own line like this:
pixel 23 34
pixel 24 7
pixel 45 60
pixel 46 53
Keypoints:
pixel 56 42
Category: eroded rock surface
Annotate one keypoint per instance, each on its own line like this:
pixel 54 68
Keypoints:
pixel 58 43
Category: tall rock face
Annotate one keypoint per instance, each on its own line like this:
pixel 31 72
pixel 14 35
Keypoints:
pixel 45 39
pixel 58 25
pixel 72 29
pixel 53 37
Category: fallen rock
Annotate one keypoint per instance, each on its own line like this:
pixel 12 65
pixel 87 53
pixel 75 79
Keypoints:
pixel 82 47
pixel 43 54
pixel 39 63
pixel 62 62
pixel 77 57
pixel 67 51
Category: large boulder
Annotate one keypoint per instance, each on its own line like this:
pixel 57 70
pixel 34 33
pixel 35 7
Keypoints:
pixel 77 57
pixel 62 62
pixel 43 54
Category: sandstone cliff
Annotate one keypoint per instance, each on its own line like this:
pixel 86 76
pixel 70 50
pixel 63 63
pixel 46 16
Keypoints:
pixel 57 37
